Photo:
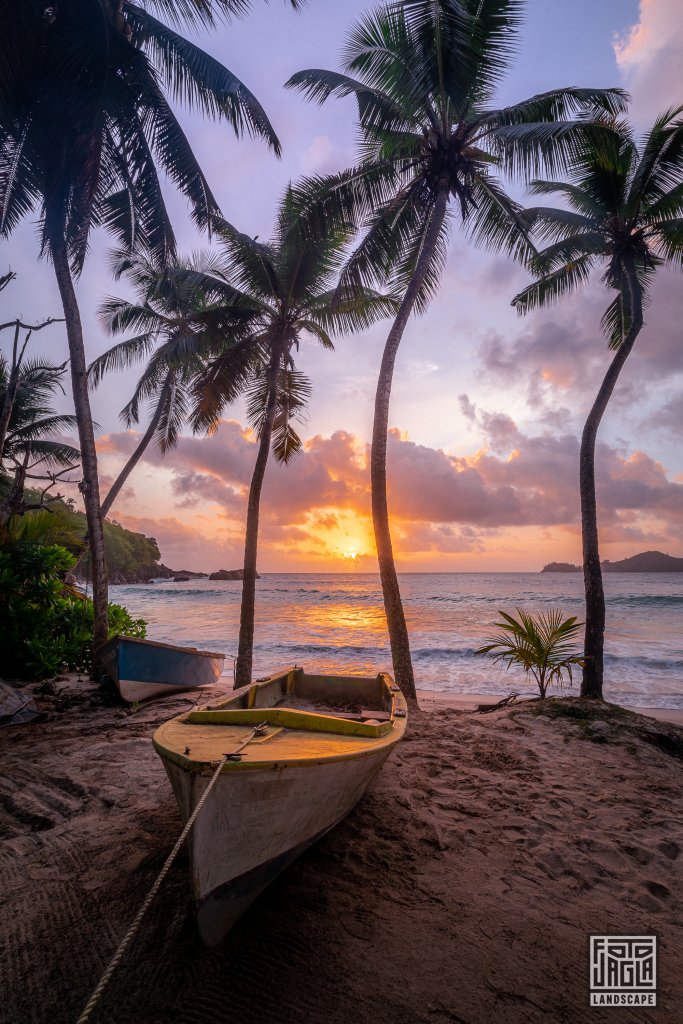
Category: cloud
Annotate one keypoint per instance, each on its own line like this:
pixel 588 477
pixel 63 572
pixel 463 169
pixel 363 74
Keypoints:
pixel 560 354
pixel 318 508
pixel 650 55
pixel 668 419
pixel 467 408
pixel 322 156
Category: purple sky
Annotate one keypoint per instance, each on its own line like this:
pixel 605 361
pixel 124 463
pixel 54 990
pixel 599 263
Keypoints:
pixel 473 381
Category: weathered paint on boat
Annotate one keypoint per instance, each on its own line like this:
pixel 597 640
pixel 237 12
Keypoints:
pixel 142 669
pixel 288 788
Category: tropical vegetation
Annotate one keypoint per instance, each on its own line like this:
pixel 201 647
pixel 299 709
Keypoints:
pixel 624 217
pixel 542 645
pixel 433 144
pixel 45 626
pixel 31 443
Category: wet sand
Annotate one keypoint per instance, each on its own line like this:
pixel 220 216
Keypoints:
pixel 462 889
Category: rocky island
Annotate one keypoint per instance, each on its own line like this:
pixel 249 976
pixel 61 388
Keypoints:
pixel 646 561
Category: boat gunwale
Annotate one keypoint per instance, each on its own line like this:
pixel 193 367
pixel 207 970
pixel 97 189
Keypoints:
pixel 195 651
pixel 384 735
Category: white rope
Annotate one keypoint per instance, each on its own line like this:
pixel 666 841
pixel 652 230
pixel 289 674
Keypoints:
pixel 130 934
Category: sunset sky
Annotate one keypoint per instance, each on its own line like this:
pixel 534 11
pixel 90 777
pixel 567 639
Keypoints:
pixel 487 407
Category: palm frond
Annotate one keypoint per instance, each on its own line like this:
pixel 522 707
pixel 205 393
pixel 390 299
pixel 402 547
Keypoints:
pixel 496 222
pixel 669 240
pixel 661 164
pixel 198 80
pixel 224 380
pixel 54 454
pixel 560 105
pixel 321 203
pixel 374 106
pixel 551 287
pixel 293 393
pixel 120 357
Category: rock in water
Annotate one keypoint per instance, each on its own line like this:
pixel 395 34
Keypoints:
pixel 229 574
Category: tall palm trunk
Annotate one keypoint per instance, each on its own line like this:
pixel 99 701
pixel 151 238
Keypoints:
pixel 245 648
pixel 594 636
pixel 393 606
pixel 141 448
pixel 89 485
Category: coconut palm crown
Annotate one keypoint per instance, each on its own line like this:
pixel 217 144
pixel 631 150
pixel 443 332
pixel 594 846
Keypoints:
pixel 433 143
pixel 177 328
pixel 86 124
pixel 623 216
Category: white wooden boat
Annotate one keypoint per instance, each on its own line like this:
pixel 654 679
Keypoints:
pixel 322 740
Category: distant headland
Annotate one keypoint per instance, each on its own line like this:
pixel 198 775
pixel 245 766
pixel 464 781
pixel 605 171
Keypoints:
pixel 646 561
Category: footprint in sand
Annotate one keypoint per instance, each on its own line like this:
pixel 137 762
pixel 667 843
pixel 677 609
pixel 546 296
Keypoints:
pixel 669 849
pixel 658 890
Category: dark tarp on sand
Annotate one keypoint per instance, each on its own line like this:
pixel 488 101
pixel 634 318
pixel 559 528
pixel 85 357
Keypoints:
pixel 15 707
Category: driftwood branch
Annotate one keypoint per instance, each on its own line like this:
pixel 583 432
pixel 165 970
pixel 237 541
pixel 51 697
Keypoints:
pixel 19 325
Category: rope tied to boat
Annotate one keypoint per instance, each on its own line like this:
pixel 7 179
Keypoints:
pixel 258 730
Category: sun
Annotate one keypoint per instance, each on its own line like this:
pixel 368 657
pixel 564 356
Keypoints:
pixel 352 557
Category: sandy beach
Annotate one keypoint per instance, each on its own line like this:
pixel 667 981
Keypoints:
pixel 462 889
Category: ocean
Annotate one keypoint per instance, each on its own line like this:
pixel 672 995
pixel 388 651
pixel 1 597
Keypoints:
pixel 335 622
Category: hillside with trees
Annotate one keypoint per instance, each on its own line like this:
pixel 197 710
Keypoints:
pixel 646 561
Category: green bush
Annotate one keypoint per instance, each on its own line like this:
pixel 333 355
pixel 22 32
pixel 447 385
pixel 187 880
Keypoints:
pixel 43 628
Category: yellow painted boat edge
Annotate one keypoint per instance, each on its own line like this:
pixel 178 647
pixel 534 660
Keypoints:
pixel 289 718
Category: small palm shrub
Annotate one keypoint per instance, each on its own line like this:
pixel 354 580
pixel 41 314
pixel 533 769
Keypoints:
pixel 45 627
pixel 543 645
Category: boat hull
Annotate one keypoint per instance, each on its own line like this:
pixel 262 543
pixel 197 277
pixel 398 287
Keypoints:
pixel 144 669
pixel 256 823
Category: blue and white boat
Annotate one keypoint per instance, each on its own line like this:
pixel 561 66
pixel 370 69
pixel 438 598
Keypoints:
pixel 142 669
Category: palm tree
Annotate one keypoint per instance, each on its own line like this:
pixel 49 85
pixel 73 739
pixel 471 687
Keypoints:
pixel 32 447
pixel 432 142
pixel 289 284
pixel 84 125
pixel 179 328
pixel 543 645
pixel 625 216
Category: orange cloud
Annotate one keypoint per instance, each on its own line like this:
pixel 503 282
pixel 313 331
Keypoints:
pixel 504 506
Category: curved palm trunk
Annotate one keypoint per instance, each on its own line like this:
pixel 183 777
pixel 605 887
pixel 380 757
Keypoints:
pixel 89 486
pixel 139 451
pixel 393 606
pixel 245 648
pixel 594 634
